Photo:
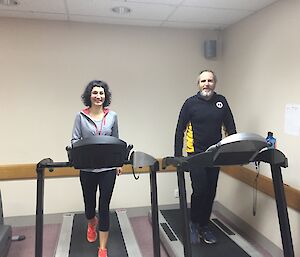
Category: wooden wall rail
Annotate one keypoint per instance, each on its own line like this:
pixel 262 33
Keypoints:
pixel 264 184
pixel 28 171
pixel 245 175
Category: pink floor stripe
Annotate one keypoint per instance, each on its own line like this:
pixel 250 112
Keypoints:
pixel 26 248
pixel 143 233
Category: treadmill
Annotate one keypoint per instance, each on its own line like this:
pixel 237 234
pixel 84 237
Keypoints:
pixel 5 233
pixel 237 149
pixel 91 153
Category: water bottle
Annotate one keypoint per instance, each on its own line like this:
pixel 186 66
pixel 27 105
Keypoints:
pixel 271 140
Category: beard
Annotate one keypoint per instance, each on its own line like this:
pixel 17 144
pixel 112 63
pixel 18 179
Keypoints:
pixel 206 93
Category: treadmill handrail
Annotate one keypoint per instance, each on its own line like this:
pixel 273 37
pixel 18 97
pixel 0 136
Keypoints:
pixel 174 161
pixel 273 157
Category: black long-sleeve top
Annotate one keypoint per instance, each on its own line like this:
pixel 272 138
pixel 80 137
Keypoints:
pixel 203 120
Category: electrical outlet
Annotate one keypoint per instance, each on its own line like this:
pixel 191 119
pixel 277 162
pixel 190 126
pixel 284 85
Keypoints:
pixel 176 193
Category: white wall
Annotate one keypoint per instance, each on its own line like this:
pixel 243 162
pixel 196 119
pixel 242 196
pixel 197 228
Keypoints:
pixel 44 69
pixel 260 74
pixel 151 71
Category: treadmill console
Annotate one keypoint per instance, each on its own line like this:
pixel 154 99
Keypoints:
pixel 98 152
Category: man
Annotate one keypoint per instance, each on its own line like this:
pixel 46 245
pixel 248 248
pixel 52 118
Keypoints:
pixel 202 118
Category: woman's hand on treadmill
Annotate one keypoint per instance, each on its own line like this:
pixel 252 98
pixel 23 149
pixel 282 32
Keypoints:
pixel 119 171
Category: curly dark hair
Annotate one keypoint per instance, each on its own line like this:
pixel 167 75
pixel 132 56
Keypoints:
pixel 86 96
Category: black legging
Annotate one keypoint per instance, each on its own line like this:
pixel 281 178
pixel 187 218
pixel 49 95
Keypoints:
pixel 204 185
pixel 89 183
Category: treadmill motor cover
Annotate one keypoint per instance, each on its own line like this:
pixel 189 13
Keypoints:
pixel 98 152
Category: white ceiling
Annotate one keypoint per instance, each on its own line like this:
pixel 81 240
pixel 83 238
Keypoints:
pixel 205 14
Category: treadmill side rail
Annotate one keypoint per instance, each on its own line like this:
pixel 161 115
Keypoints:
pixel 236 237
pixel 132 247
pixel 63 246
pixel 173 247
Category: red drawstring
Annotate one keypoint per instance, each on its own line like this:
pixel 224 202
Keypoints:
pixel 106 110
pixel 102 123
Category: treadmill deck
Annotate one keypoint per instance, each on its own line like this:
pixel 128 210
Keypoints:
pixel 229 242
pixel 73 243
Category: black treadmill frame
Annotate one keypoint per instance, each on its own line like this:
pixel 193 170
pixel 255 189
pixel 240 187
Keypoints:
pixel 147 160
pixel 274 157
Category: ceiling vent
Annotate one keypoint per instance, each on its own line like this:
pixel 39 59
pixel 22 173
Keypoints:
pixel 121 10
pixel 9 2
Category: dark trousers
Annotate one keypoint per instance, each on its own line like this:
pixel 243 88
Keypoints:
pixel 204 185
pixel 90 181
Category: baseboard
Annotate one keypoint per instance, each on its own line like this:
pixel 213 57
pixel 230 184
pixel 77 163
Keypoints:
pixel 246 231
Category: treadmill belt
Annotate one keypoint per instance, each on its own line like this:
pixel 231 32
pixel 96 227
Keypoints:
pixel 224 247
pixel 81 247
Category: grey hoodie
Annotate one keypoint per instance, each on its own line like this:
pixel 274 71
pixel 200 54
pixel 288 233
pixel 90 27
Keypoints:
pixel 85 126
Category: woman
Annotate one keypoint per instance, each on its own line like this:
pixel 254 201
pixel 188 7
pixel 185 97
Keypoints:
pixel 97 119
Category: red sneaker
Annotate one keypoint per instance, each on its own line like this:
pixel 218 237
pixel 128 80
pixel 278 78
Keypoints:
pixel 102 252
pixel 92 231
